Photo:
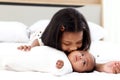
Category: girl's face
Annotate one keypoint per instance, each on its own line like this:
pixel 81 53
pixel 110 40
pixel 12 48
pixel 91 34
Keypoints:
pixel 71 41
pixel 81 61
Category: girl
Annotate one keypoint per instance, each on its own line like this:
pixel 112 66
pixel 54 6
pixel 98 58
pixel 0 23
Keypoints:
pixel 68 31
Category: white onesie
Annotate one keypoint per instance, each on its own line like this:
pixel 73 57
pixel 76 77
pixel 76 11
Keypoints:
pixel 40 58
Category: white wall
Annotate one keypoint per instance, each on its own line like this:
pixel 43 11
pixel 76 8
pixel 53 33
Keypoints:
pixel 31 14
pixel 111 9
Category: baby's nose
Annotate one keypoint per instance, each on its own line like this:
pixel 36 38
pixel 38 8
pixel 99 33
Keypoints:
pixel 80 56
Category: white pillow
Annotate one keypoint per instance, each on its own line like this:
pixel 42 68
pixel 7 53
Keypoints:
pixel 40 58
pixel 39 26
pixel 97 32
pixel 12 31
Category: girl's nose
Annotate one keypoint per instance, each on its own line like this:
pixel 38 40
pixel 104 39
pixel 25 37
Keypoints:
pixel 73 48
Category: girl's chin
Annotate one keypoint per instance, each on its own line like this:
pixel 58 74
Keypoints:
pixel 66 52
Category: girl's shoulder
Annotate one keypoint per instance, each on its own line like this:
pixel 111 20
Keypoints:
pixel 36 35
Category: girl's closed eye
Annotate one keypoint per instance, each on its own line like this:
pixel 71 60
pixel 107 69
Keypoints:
pixel 80 42
pixel 67 44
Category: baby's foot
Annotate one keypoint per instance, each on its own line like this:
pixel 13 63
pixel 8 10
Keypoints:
pixel 59 64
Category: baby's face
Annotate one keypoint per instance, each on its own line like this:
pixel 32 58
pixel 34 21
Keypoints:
pixel 81 61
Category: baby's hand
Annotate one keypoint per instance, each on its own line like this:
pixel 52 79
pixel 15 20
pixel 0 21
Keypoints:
pixel 112 67
pixel 59 64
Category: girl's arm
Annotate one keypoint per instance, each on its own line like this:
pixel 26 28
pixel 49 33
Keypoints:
pixel 35 43
pixel 28 47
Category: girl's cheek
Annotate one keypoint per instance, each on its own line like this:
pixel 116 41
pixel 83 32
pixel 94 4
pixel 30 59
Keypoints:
pixel 64 48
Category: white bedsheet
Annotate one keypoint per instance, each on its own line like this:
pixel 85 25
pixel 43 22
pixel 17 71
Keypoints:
pixel 12 75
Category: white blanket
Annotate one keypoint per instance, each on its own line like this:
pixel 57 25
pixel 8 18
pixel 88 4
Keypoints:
pixel 38 59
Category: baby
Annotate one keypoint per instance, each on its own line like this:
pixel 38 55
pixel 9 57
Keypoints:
pixel 81 61
pixel 47 59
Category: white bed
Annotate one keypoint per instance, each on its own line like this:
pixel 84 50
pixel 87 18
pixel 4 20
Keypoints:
pixel 29 75
pixel 103 51
pixel 13 34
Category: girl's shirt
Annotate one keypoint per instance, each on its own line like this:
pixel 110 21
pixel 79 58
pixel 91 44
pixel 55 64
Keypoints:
pixel 36 35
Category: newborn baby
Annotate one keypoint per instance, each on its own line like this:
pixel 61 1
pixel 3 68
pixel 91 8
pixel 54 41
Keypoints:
pixel 81 61
pixel 47 59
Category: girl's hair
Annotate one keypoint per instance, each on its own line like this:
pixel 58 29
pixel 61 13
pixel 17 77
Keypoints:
pixel 69 20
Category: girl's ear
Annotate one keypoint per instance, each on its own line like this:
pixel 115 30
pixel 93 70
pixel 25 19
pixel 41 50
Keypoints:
pixel 62 28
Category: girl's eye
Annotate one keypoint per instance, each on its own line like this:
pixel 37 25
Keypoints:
pixel 80 42
pixel 67 44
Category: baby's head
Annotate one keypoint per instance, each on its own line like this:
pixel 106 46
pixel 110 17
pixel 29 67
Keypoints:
pixel 82 61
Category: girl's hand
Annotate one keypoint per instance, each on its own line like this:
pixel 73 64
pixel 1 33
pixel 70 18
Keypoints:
pixel 111 67
pixel 24 48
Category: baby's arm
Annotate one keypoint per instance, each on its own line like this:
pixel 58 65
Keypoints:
pixel 59 64
pixel 109 67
